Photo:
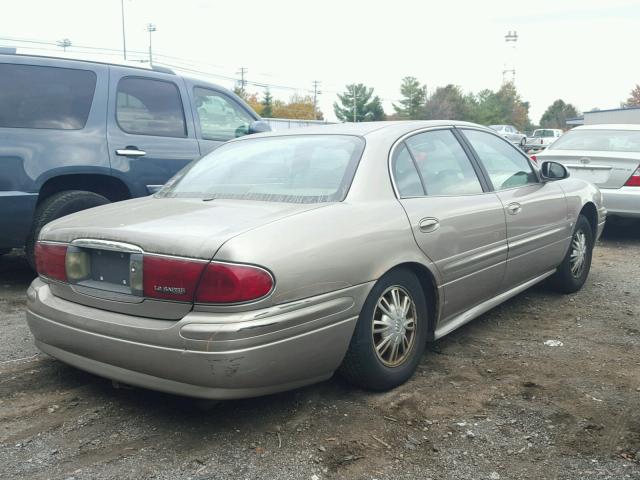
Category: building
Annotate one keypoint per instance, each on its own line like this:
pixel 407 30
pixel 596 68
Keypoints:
pixel 614 115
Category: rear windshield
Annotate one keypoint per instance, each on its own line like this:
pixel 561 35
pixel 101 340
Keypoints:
pixel 295 169
pixel 543 133
pixel 45 97
pixel 599 140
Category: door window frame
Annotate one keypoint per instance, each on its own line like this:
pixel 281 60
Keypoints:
pixel 485 173
pixel 142 77
pixel 400 142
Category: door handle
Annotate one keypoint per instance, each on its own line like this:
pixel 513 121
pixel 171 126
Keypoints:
pixel 428 225
pixel 130 151
pixel 514 208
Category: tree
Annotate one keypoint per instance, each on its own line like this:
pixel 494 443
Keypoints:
pixel 449 103
pixel 634 99
pixel 267 104
pixel 555 116
pixel 367 106
pixel 502 107
pixel 254 103
pixel 299 107
pixel 414 96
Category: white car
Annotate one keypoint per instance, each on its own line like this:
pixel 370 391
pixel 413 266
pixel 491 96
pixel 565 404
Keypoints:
pixel 542 138
pixel 606 155
pixel 511 133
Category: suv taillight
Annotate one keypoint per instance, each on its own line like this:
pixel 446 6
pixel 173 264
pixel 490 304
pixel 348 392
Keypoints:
pixel 634 180
pixel 232 283
pixel 50 260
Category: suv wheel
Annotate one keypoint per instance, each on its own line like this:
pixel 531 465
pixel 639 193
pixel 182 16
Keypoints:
pixel 56 206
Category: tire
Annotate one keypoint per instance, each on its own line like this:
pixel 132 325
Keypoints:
pixel 56 206
pixel 365 368
pixel 523 142
pixel 567 279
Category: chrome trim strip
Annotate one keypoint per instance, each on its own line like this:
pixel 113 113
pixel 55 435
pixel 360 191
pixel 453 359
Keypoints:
pixel 533 238
pixel 478 256
pixel 106 245
pixel 588 167
pixel 487 305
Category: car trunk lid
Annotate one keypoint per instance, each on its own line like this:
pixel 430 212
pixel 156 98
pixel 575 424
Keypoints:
pixel 605 169
pixel 111 243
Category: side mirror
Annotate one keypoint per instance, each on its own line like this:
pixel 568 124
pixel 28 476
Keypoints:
pixel 553 171
pixel 259 126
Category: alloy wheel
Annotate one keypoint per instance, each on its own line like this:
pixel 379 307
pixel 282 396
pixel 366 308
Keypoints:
pixel 577 258
pixel 394 326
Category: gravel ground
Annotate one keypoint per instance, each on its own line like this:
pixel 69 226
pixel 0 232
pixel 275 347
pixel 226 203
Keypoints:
pixel 490 401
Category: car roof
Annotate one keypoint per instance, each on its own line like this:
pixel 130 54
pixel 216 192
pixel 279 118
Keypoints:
pixel 610 126
pixel 399 127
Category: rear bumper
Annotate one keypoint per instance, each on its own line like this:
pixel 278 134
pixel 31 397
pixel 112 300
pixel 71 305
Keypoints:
pixel 623 202
pixel 203 355
pixel 16 216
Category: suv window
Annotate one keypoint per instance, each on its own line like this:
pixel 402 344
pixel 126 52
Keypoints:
pixel 443 164
pixel 507 168
pixel 32 96
pixel 147 106
pixel 220 118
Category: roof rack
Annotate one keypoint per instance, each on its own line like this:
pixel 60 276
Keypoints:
pixel 158 68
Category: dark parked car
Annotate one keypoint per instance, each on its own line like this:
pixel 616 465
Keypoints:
pixel 77 134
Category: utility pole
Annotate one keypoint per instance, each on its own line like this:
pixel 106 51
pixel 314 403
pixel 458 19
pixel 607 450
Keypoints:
pixel 316 92
pixel 64 43
pixel 150 28
pixel 124 40
pixel 242 72
pixel 509 72
pixel 355 119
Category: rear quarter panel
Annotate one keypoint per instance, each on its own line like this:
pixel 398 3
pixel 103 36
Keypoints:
pixel 328 249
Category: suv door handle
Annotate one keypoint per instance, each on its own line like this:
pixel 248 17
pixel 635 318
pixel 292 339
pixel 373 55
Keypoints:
pixel 130 151
pixel 514 208
pixel 428 225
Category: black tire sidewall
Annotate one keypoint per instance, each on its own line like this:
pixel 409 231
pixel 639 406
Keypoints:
pixel 374 374
pixel 57 206
pixel 564 280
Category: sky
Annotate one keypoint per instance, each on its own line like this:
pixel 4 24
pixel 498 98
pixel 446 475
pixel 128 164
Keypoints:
pixel 582 51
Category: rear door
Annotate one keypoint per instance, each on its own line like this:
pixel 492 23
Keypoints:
pixel 604 157
pixel 538 228
pixel 456 222
pixel 150 130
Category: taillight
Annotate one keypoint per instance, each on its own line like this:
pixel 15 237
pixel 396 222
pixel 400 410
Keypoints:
pixel 232 283
pixel 50 260
pixel 534 158
pixel 170 278
pixel 634 180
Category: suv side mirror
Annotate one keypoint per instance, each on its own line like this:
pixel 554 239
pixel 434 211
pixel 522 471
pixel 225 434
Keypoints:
pixel 259 126
pixel 553 171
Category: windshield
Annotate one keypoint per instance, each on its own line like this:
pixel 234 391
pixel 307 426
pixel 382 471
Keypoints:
pixel 497 127
pixel 296 169
pixel 543 133
pixel 599 140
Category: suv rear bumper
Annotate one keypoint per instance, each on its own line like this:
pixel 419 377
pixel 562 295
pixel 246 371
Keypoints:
pixel 203 355
pixel 623 202
pixel 16 217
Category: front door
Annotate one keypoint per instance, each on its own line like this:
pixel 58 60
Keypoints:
pixel 457 223
pixel 538 228
pixel 149 136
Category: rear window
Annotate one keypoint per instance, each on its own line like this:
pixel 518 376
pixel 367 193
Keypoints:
pixel 45 97
pixel 599 141
pixel 295 169
pixel 543 133
pixel 150 107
